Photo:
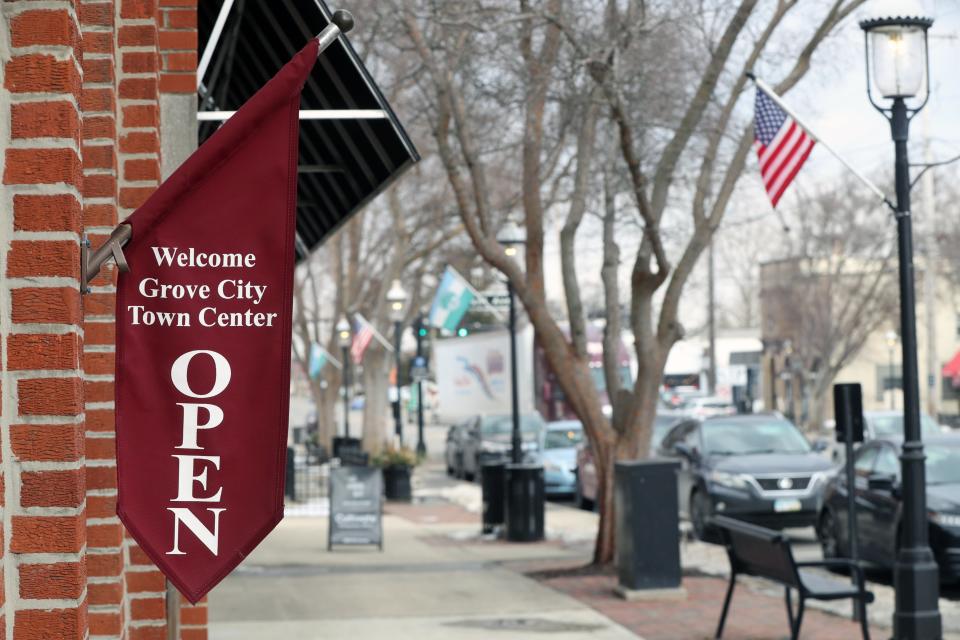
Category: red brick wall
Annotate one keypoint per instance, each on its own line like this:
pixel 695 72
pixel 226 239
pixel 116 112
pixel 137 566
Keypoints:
pixel 80 137
pixel 178 46
pixel 44 565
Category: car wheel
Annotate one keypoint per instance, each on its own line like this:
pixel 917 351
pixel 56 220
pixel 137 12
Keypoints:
pixel 579 500
pixel 700 516
pixel 829 535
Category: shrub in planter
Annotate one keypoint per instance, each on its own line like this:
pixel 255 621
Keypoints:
pixel 397 465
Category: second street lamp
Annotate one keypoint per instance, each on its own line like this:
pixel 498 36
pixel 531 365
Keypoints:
pixel 897 60
pixel 892 339
pixel 344 339
pixel 418 374
pixel 397 298
pixel 512 237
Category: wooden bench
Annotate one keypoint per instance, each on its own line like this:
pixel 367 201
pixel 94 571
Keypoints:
pixel 761 552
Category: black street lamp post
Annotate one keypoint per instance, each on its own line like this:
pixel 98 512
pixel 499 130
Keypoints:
pixel 397 298
pixel 512 237
pixel 421 444
pixel 896 51
pixel 344 339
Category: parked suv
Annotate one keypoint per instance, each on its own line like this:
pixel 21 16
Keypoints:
pixel 757 468
pixel 489 439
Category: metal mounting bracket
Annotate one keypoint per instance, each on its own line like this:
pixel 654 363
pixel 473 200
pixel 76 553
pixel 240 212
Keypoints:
pixel 90 263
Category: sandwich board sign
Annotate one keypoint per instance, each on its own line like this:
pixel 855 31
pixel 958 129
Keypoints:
pixel 356 506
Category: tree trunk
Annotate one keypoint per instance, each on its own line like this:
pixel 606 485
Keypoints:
pixel 606 543
pixel 375 419
pixel 632 442
pixel 326 401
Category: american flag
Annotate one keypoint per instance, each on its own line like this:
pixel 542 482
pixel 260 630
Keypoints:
pixel 362 337
pixel 782 145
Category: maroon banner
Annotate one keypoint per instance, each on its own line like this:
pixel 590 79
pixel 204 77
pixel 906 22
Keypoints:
pixel 203 344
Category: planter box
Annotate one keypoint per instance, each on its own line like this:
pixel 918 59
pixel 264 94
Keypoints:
pixel 396 483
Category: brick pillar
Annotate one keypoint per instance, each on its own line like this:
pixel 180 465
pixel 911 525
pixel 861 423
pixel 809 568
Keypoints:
pixel 41 435
pixel 105 587
pixel 139 162
pixel 178 135
pixel 80 136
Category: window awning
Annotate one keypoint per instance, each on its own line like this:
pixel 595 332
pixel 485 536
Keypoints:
pixel 952 370
pixel 352 145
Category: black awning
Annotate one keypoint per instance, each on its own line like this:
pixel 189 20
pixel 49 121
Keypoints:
pixel 344 162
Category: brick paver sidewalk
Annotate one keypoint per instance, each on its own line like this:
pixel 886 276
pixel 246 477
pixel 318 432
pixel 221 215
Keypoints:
pixel 753 616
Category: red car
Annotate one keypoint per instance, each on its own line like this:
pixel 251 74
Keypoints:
pixel 585 493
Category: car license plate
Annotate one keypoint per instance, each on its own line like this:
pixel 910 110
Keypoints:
pixel 783 505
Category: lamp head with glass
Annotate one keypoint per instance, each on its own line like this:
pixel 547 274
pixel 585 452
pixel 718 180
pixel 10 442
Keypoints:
pixel 397 298
pixel 896 36
pixel 511 236
pixel 343 332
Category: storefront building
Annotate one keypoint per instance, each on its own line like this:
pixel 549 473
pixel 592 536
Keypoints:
pixel 98 105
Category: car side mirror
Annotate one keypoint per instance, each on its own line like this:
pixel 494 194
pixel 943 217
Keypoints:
pixel 820 445
pixel 882 482
pixel 685 451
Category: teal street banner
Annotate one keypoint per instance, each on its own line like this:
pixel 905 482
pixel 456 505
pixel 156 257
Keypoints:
pixel 318 359
pixel 451 302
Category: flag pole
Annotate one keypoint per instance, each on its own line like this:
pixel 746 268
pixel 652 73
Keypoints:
pixel 333 361
pixel 763 86
pixel 477 295
pixel 376 334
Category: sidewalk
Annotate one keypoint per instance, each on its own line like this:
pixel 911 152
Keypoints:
pixel 437 578
pixel 425 585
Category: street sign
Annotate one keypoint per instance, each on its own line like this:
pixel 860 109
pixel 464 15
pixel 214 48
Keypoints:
pixel 418 370
pixel 498 300
pixel 356 506
pixel 203 344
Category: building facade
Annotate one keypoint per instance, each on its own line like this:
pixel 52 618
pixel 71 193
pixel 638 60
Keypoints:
pixel 877 364
pixel 97 107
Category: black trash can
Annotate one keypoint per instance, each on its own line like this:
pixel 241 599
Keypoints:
pixel 492 481
pixel 341 443
pixel 648 527
pixel 290 480
pixel 523 516
pixel 396 483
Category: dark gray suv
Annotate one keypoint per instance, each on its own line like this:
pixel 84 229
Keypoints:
pixel 757 468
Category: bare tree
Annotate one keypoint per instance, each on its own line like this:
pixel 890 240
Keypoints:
pixel 517 95
pixel 352 274
pixel 836 287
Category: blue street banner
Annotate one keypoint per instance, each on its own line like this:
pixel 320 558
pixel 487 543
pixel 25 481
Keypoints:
pixel 451 302
pixel 318 359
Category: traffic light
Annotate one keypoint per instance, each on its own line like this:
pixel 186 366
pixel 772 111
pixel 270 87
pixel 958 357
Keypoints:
pixel 422 332
pixel 463 332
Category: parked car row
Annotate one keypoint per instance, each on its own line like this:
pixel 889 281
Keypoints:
pixel 488 438
pixel 482 439
pixel 756 467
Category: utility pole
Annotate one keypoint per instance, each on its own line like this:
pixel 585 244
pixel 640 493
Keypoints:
pixel 930 269
pixel 712 319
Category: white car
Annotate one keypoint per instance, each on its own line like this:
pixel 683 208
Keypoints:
pixel 709 406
